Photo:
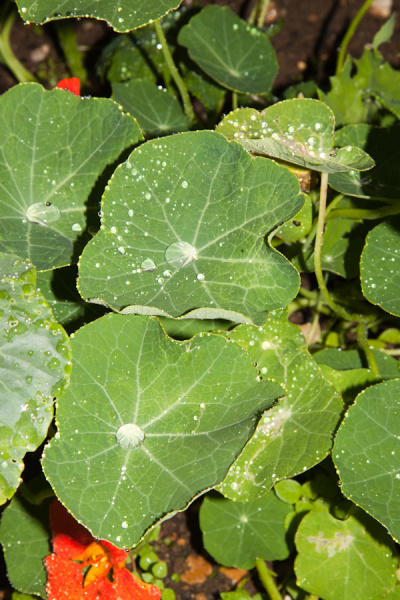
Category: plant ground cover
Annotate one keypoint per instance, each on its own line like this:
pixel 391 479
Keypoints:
pixel 152 418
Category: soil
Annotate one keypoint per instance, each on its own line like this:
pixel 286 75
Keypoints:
pixel 306 46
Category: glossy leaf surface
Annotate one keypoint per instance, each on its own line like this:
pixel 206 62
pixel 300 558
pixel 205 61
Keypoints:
pixel 380 266
pixel 122 15
pixel 53 148
pixel 236 55
pixel 237 533
pixel 297 432
pixel 184 226
pixel 156 423
pixel 366 453
pixel 34 364
pixel 350 560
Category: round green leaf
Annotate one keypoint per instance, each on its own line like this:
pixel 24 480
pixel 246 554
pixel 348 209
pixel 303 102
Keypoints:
pixel 382 144
pixel 380 266
pixel 350 560
pixel 237 533
pixel 298 131
pixel 121 15
pixel 25 534
pixel 157 112
pixel 366 453
pixel 53 148
pixel 297 432
pixel 184 226
pixel 148 423
pixel 34 364
pixel 236 55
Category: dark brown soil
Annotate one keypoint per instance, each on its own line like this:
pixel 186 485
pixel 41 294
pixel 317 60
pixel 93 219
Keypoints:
pixel 306 47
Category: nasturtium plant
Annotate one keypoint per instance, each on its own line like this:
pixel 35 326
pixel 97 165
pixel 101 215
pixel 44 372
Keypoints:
pixel 199 308
pixel 151 421
pixel 298 131
pixel 177 236
pixel 35 364
pixel 50 167
pixel 365 453
pixel 122 15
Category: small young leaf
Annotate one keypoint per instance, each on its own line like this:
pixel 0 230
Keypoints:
pixel 236 55
pixel 237 533
pixel 155 424
pixel 366 453
pixel 157 112
pixel 350 560
pixel 380 266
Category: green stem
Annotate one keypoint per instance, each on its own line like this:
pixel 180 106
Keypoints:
pixel 267 580
pixel 187 106
pixel 253 15
pixel 7 56
pixel 359 213
pixel 73 56
pixel 235 101
pixel 362 334
pixel 349 34
pixel 317 254
pixel 262 13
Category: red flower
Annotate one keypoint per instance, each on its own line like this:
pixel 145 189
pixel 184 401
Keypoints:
pixel 71 84
pixel 82 568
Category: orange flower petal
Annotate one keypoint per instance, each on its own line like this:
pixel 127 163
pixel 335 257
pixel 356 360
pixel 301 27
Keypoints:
pixel 130 587
pixel 72 84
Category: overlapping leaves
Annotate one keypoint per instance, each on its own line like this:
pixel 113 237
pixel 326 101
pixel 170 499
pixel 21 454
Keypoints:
pixel 149 423
pixel 53 148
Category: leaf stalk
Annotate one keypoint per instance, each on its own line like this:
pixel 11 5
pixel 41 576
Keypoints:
pixel 266 578
pixel 187 105
pixel 349 34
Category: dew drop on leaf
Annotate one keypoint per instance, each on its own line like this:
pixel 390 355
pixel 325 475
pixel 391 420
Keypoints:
pixel 148 265
pixel 129 436
pixel 179 254
pixel 42 213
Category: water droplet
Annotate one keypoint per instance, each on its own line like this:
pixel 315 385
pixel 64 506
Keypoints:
pixel 167 274
pixel 148 265
pixel 121 250
pixel 184 184
pixel 179 254
pixel 129 436
pixel 76 227
pixel 124 525
pixel 42 213
pixel 201 277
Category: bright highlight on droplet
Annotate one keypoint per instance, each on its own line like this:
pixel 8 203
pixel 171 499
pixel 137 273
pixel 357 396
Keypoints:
pixel 42 213
pixel 148 265
pixel 129 436
pixel 179 254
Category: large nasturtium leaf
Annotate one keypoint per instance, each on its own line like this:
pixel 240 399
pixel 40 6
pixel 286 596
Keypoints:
pixel 148 423
pixel 366 453
pixel 383 144
pixel 238 56
pixel 350 560
pixel 25 537
pixel 183 228
pixel 237 533
pixel 53 148
pixel 122 15
pixel 297 432
pixel 157 112
pixel 298 131
pixel 380 266
pixel 34 365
